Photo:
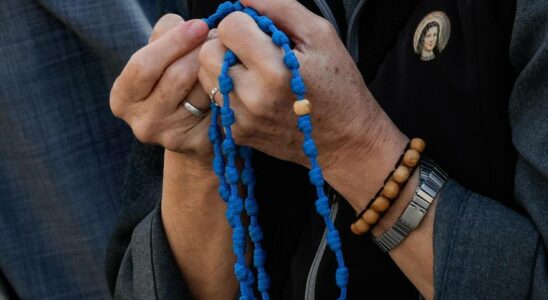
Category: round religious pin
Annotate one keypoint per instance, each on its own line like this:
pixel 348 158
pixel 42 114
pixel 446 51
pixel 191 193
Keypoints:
pixel 432 35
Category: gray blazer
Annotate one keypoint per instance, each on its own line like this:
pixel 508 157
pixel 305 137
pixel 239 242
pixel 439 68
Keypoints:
pixel 62 153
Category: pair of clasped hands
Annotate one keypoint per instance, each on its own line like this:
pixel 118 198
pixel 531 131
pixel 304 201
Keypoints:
pixel 183 60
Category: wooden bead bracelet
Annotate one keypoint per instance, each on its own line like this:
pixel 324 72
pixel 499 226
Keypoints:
pixel 393 184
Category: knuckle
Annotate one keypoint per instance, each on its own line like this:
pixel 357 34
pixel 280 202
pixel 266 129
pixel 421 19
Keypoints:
pixel 234 22
pixel 325 26
pixel 143 131
pixel 138 68
pixel 204 56
pixel 180 77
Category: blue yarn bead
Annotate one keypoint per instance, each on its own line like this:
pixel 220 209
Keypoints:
pixel 248 177
pixel 231 175
pixel 305 124
pixel 225 8
pixel 264 23
pixel 240 271
pixel 291 61
pixel 225 84
pixel 236 204
pixel 224 191
pixel 264 281
pixel 255 233
pixel 238 6
pixel 227 117
pixel 213 134
pixel 279 38
pixel 230 217
pixel 297 86
pixel 309 148
pixel 322 206
pixel 342 276
pixel 251 207
pixel 229 147
pixel 250 11
pixel 230 57
pixel 210 22
pixel 238 234
pixel 333 240
pixel 246 152
pixel 259 257
pixel 218 165
pixel 316 177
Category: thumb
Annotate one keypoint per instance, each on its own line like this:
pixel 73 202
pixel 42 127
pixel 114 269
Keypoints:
pixel 291 17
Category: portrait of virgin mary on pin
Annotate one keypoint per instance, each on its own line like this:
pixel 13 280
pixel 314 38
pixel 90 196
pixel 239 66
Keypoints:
pixel 432 35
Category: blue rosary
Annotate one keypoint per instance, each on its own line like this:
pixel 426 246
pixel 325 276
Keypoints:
pixel 224 164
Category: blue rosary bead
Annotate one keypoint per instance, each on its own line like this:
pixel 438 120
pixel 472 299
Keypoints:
pixel 229 147
pixel 247 176
pixel 322 206
pixel 259 256
pixel 304 124
pixel 255 233
pixel 309 148
pixel 316 176
pixel 231 175
pixel 230 58
pixel 224 191
pixel 227 118
pixel 225 8
pixel 264 23
pixel 218 165
pixel 225 84
pixel 279 38
pixel 341 276
pixel 264 281
pixel 240 271
pixel 251 207
pixel 333 240
pixel 297 86
pixel 291 61
pixel 251 12
pixel 246 152
pixel 237 204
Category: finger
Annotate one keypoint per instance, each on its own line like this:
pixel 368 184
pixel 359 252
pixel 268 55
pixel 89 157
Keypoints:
pixel 176 82
pixel 252 46
pixel 209 81
pixel 198 98
pixel 212 57
pixel 290 16
pixel 147 65
pixel 166 22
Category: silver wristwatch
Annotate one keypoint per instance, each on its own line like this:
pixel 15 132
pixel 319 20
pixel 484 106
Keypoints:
pixel 432 179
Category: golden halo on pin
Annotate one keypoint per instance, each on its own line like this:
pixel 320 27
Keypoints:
pixel 432 35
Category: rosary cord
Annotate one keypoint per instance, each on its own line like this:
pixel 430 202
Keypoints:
pixel 229 175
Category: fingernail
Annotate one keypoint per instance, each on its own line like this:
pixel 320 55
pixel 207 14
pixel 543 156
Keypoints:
pixel 197 28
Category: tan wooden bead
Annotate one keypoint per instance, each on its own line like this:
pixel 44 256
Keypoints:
pixel 417 144
pixel 361 226
pixel 401 174
pixel 355 230
pixel 411 158
pixel 381 204
pixel 391 189
pixel 371 216
pixel 302 107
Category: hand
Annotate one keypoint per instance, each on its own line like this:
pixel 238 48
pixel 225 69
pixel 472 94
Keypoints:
pixel 149 92
pixel 348 122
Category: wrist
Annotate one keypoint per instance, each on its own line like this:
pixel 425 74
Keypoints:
pixel 362 165
pixel 398 206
